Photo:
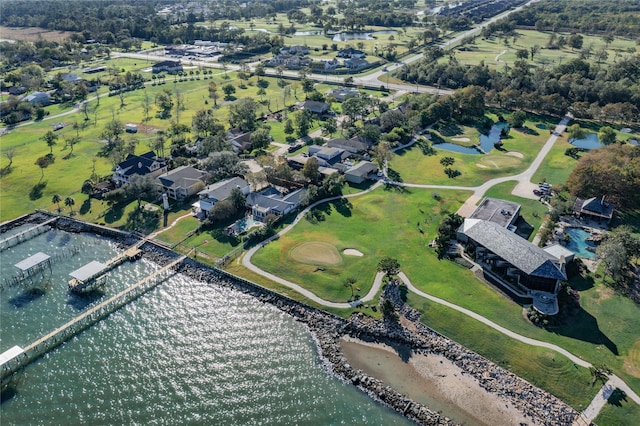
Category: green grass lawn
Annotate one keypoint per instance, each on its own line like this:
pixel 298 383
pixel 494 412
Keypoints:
pixel 619 411
pixel 385 223
pixel 495 53
pixel 520 148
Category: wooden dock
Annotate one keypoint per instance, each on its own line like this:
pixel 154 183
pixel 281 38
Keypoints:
pixel 86 319
pixel 25 235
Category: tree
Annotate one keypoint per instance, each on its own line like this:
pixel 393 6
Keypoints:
pixel 311 169
pixel 69 202
pixel 164 103
pixel 224 164
pixel 576 132
pixel 575 41
pixel 599 373
pixel 617 251
pixel 213 93
pixel 223 210
pixel 522 54
pixel 228 90
pixel 259 70
pixel 382 155
pixel 606 135
pixel 288 127
pixel 9 153
pixel 43 163
pixel 261 138
pixel 87 187
pixel 303 122
pixel 50 139
pixel 329 126
pixel 349 282
pixel 237 198
pixel 534 50
pixel 608 171
pixel 72 141
pixel 56 200
pixel 112 132
pixel 517 119
pixel 205 124
pixel 447 161
pixel 242 114
pixel 333 184
pixel 141 187
pixel 389 265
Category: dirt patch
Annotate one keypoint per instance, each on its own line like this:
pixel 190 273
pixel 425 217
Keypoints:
pixel 316 253
pixel 353 252
pixel 632 361
pixel 33 34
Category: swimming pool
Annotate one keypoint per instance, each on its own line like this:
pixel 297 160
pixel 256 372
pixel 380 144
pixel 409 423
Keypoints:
pixel 578 242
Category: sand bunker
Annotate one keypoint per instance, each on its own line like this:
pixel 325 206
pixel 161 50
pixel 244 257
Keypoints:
pixel 461 139
pixel 481 166
pixel 515 154
pixel 353 252
pixel 316 253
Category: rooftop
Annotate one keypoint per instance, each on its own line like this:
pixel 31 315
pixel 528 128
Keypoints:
pixel 529 258
pixel 88 271
pixel 32 261
pixel 498 211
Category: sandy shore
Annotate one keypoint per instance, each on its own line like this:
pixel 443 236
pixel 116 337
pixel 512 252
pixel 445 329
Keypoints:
pixel 434 381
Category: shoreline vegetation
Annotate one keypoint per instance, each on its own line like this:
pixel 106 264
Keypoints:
pixel 492 381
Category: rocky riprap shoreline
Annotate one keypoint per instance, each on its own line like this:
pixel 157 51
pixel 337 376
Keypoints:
pixel 328 329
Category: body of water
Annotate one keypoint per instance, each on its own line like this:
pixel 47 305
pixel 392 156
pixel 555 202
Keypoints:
pixel 591 141
pixel 187 352
pixel 487 142
pixel 362 36
pixel 578 242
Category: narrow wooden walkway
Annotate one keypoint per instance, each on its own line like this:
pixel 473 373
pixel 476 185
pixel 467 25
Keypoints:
pixel 111 304
pixel 22 236
pixel 88 318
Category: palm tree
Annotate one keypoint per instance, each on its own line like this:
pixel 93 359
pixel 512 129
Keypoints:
pixel 69 202
pixel 56 200
pixel 87 187
pixel 349 282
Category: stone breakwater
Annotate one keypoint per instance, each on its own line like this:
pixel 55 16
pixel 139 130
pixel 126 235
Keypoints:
pixel 327 330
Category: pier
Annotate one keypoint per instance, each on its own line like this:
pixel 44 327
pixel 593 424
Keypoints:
pixel 94 273
pixel 26 235
pixel 19 357
pixel 35 266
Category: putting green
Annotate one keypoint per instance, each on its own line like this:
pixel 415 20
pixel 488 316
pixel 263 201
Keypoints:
pixel 494 161
pixel 316 253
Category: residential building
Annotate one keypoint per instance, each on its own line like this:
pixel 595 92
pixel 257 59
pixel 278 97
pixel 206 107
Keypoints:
pixel 272 202
pixel 216 192
pixel 182 182
pixel 351 53
pixel 170 67
pixel 360 172
pixel 504 213
pixel 594 208
pixel 343 93
pixel 38 98
pixel 314 107
pixel 240 140
pixel 145 164
pixel 358 146
pixel 523 268
pixel 356 63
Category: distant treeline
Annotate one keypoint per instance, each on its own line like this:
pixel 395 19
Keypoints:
pixel 617 17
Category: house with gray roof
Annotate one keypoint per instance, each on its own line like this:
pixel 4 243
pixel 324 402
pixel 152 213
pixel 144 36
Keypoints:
pixel 594 208
pixel 145 164
pixel 273 202
pixel 504 213
pixel 525 268
pixel 360 172
pixel 182 182
pixel 216 192
pixel 38 98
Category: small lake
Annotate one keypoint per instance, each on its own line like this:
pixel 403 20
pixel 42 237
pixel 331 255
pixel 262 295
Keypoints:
pixel 591 141
pixel 361 36
pixel 578 242
pixel 486 142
